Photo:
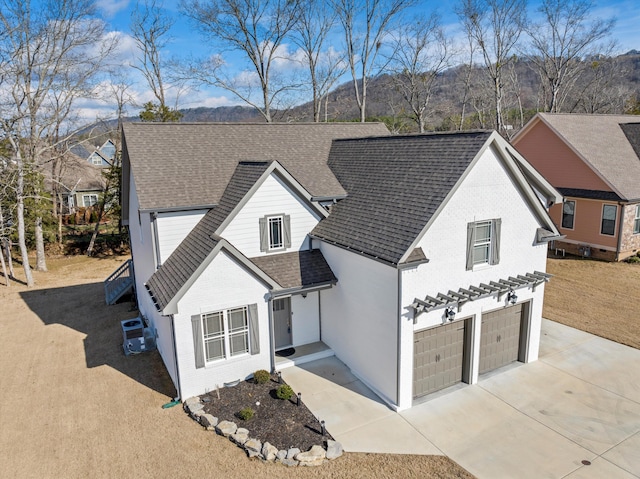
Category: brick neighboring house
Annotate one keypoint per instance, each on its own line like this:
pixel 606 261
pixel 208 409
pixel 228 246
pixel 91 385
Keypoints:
pixel 594 161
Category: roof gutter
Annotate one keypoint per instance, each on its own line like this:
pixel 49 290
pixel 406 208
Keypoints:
pixel 412 264
pixel 361 253
pixel 300 290
pixel 328 198
pixel 170 209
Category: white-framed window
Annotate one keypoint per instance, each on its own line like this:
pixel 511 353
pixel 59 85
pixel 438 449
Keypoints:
pixel 568 214
pixel 608 226
pixel 636 221
pixel 275 233
pixel 96 159
pixel 483 243
pixel 225 334
pixel 89 200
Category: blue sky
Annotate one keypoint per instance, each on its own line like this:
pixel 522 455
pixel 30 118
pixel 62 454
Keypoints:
pixel 186 41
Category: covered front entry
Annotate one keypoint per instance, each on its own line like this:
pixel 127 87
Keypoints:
pixel 282 322
pixel 439 356
pixel 500 337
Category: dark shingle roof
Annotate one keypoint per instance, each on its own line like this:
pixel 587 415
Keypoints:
pixel 296 269
pixel 395 185
pixel 165 283
pixel 181 165
pixel 591 194
pixel 632 132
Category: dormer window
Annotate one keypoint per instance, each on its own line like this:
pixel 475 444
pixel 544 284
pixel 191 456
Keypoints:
pixel 275 233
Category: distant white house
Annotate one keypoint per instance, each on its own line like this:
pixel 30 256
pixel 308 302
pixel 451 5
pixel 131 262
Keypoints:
pixel 419 261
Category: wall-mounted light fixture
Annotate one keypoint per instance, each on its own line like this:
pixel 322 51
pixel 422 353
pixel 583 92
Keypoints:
pixel 450 313
pixel 512 297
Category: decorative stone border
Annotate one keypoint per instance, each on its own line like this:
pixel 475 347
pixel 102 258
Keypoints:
pixel 315 456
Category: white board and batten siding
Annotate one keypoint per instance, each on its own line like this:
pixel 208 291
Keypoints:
pixel 173 227
pixel 359 318
pixel 273 197
pixel 486 193
pixel 224 284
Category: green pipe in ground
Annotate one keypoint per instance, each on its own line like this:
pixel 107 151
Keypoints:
pixel 175 402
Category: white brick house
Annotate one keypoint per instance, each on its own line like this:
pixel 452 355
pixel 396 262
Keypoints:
pixel 251 239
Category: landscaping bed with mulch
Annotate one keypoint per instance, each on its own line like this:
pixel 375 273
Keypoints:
pixel 281 422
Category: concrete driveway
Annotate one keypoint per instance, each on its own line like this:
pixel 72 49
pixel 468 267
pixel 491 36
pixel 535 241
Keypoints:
pixel 573 414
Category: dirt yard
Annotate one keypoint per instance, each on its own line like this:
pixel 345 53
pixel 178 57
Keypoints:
pixel 73 406
pixel 597 297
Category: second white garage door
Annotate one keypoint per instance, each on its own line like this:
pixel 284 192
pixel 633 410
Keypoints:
pixel 500 337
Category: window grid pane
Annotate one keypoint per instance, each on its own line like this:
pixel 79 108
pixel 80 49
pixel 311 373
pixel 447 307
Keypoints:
pixel 237 319
pixel 636 222
pixel 275 233
pixel 482 244
pixel 222 330
pixel 568 212
pixel 213 331
pixel 608 220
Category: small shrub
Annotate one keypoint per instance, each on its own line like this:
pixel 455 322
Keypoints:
pixel 284 392
pixel 261 376
pixel 633 259
pixel 246 413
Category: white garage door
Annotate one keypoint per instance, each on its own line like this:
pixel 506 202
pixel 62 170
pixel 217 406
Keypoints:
pixel 500 337
pixel 438 358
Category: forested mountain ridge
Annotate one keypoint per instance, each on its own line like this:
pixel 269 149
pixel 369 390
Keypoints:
pixel 611 85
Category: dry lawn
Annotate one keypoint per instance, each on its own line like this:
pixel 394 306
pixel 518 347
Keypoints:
pixel 597 297
pixel 73 406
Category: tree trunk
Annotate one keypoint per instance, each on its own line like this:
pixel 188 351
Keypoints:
pixel 7 249
pixel 95 231
pixel 24 252
pixel 363 103
pixel 2 240
pixel 41 260
pixel 4 266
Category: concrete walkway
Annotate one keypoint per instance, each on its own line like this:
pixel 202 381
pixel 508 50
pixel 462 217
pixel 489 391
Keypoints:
pixel 575 413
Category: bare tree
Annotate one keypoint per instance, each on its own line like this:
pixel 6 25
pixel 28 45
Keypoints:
pixel 325 65
pixel 566 34
pixel 257 29
pixel 495 27
pixel 109 199
pixel 366 24
pixel 55 54
pixel 150 28
pixel 421 53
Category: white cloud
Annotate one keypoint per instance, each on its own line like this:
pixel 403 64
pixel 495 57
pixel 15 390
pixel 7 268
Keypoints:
pixel 111 7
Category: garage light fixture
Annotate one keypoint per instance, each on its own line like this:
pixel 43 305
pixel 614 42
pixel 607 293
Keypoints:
pixel 450 313
pixel 512 297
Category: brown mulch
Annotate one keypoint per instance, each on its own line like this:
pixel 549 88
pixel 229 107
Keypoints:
pixel 280 422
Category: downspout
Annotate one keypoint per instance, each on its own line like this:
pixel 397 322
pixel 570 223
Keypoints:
pixel 154 239
pixel 399 338
pixel 319 316
pixel 272 343
pixel 175 358
pixel 620 230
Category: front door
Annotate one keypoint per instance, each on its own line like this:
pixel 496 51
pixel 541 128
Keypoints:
pixel 282 322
